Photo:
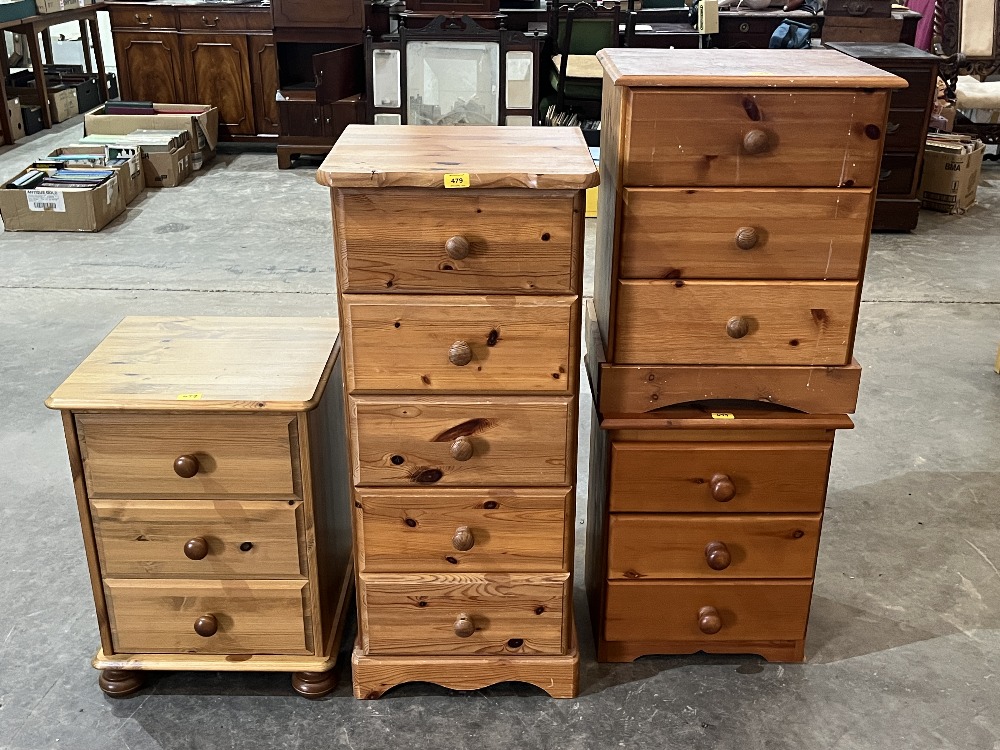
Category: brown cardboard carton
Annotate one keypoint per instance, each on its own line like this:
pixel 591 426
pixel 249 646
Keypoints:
pixel 66 210
pixel 200 120
pixel 131 180
pixel 16 121
pixel 54 6
pixel 950 177
pixel 63 103
pixel 167 168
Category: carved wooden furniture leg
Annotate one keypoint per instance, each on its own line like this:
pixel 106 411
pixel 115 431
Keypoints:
pixel 314 684
pixel 120 683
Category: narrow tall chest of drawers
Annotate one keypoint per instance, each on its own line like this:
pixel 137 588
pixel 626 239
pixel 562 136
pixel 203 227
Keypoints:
pixel 209 464
pixel 458 252
pixel 736 200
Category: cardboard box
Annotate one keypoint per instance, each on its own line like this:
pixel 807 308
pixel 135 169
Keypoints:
pixel 62 100
pixel 167 169
pixel 131 180
pixel 200 120
pixel 982 116
pixel 16 121
pixel 950 178
pixel 66 210
pixel 54 6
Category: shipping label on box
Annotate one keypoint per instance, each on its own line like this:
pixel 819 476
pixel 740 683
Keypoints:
pixel 950 178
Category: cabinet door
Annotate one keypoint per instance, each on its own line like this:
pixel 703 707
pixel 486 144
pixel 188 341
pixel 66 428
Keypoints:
pixel 344 14
pixel 218 73
pixel 264 78
pixel 149 66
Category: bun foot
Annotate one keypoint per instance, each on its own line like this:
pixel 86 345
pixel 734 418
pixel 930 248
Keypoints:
pixel 119 683
pixel 313 684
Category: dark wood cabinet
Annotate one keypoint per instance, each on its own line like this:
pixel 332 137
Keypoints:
pixel 311 14
pixel 149 66
pixel 264 82
pixel 217 71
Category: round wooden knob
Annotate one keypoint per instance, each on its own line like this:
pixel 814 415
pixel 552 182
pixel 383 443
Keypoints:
pixel 746 238
pixel 737 327
pixel 463 540
pixel 464 626
pixel 723 489
pixel 186 466
pixel 717 555
pixel 196 549
pixel 457 247
pixel 206 626
pixel 461 448
pixel 460 354
pixel 755 142
pixel 709 621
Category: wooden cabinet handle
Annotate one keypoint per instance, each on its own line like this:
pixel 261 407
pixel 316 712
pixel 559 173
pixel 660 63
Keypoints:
pixel 709 621
pixel 717 555
pixel 147 22
pixel 457 247
pixel 210 25
pixel 737 327
pixel 206 626
pixel 756 142
pixel 186 466
pixel 196 549
pixel 746 238
pixel 891 128
pixel 461 448
pixel 464 626
pixel 723 489
pixel 460 354
pixel 463 540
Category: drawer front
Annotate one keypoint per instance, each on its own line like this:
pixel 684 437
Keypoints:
pixel 712 546
pixel 457 530
pixel 719 477
pixel 669 611
pixel 144 16
pixel 463 442
pixel 754 138
pixel 739 322
pixel 213 20
pixel 236 617
pixel 905 130
pixel 470 614
pixel 744 234
pixel 460 344
pixel 133 456
pixel 896 174
pixel 917 94
pixel 458 240
pixel 198 538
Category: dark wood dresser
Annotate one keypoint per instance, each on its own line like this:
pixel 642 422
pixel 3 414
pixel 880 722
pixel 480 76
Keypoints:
pixel 897 208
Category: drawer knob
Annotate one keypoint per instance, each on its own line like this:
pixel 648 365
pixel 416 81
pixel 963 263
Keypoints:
pixel 206 626
pixel 186 466
pixel 723 489
pixel 709 621
pixel 746 238
pixel 463 540
pixel 460 354
pixel 756 142
pixel 737 327
pixel 464 626
pixel 457 247
pixel 196 549
pixel 461 448
pixel 717 555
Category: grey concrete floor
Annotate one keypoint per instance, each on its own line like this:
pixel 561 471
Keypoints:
pixel 904 638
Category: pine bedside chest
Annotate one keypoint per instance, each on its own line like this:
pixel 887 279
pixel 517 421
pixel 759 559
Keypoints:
pixel 208 459
pixel 458 253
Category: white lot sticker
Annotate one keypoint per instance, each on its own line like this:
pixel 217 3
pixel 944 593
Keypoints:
pixel 46 200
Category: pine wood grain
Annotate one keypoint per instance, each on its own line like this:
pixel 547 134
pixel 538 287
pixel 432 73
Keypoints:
pixel 518 530
pixel 394 240
pixel 684 322
pixel 672 545
pixel 214 662
pixel 402 342
pixel 513 614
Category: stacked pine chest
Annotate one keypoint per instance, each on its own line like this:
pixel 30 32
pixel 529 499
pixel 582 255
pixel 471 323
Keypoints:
pixel 737 191
pixel 459 254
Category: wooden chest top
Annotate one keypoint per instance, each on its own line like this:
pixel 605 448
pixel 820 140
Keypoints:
pixel 759 68
pixel 376 156
pixel 234 364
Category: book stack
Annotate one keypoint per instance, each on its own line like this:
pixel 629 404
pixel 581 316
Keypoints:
pixel 51 174
pixel 150 141
pixel 148 108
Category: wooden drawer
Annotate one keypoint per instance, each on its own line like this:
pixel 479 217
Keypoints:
pixel 712 546
pixel 213 20
pixel 449 530
pixel 783 234
pixel 423 614
pixel 250 617
pixel 460 344
pixel 694 322
pixel 397 240
pixel 917 94
pixel 418 441
pixel 809 138
pixel 896 174
pixel 669 611
pixel 748 477
pixel 905 130
pixel 198 538
pixel 133 456
pixel 142 16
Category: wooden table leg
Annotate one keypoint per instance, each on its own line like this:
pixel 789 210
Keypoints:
pixel 85 41
pixel 47 46
pixel 102 75
pixel 36 65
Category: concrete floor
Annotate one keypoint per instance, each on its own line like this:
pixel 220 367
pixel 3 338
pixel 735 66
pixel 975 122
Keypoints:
pixel 904 637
